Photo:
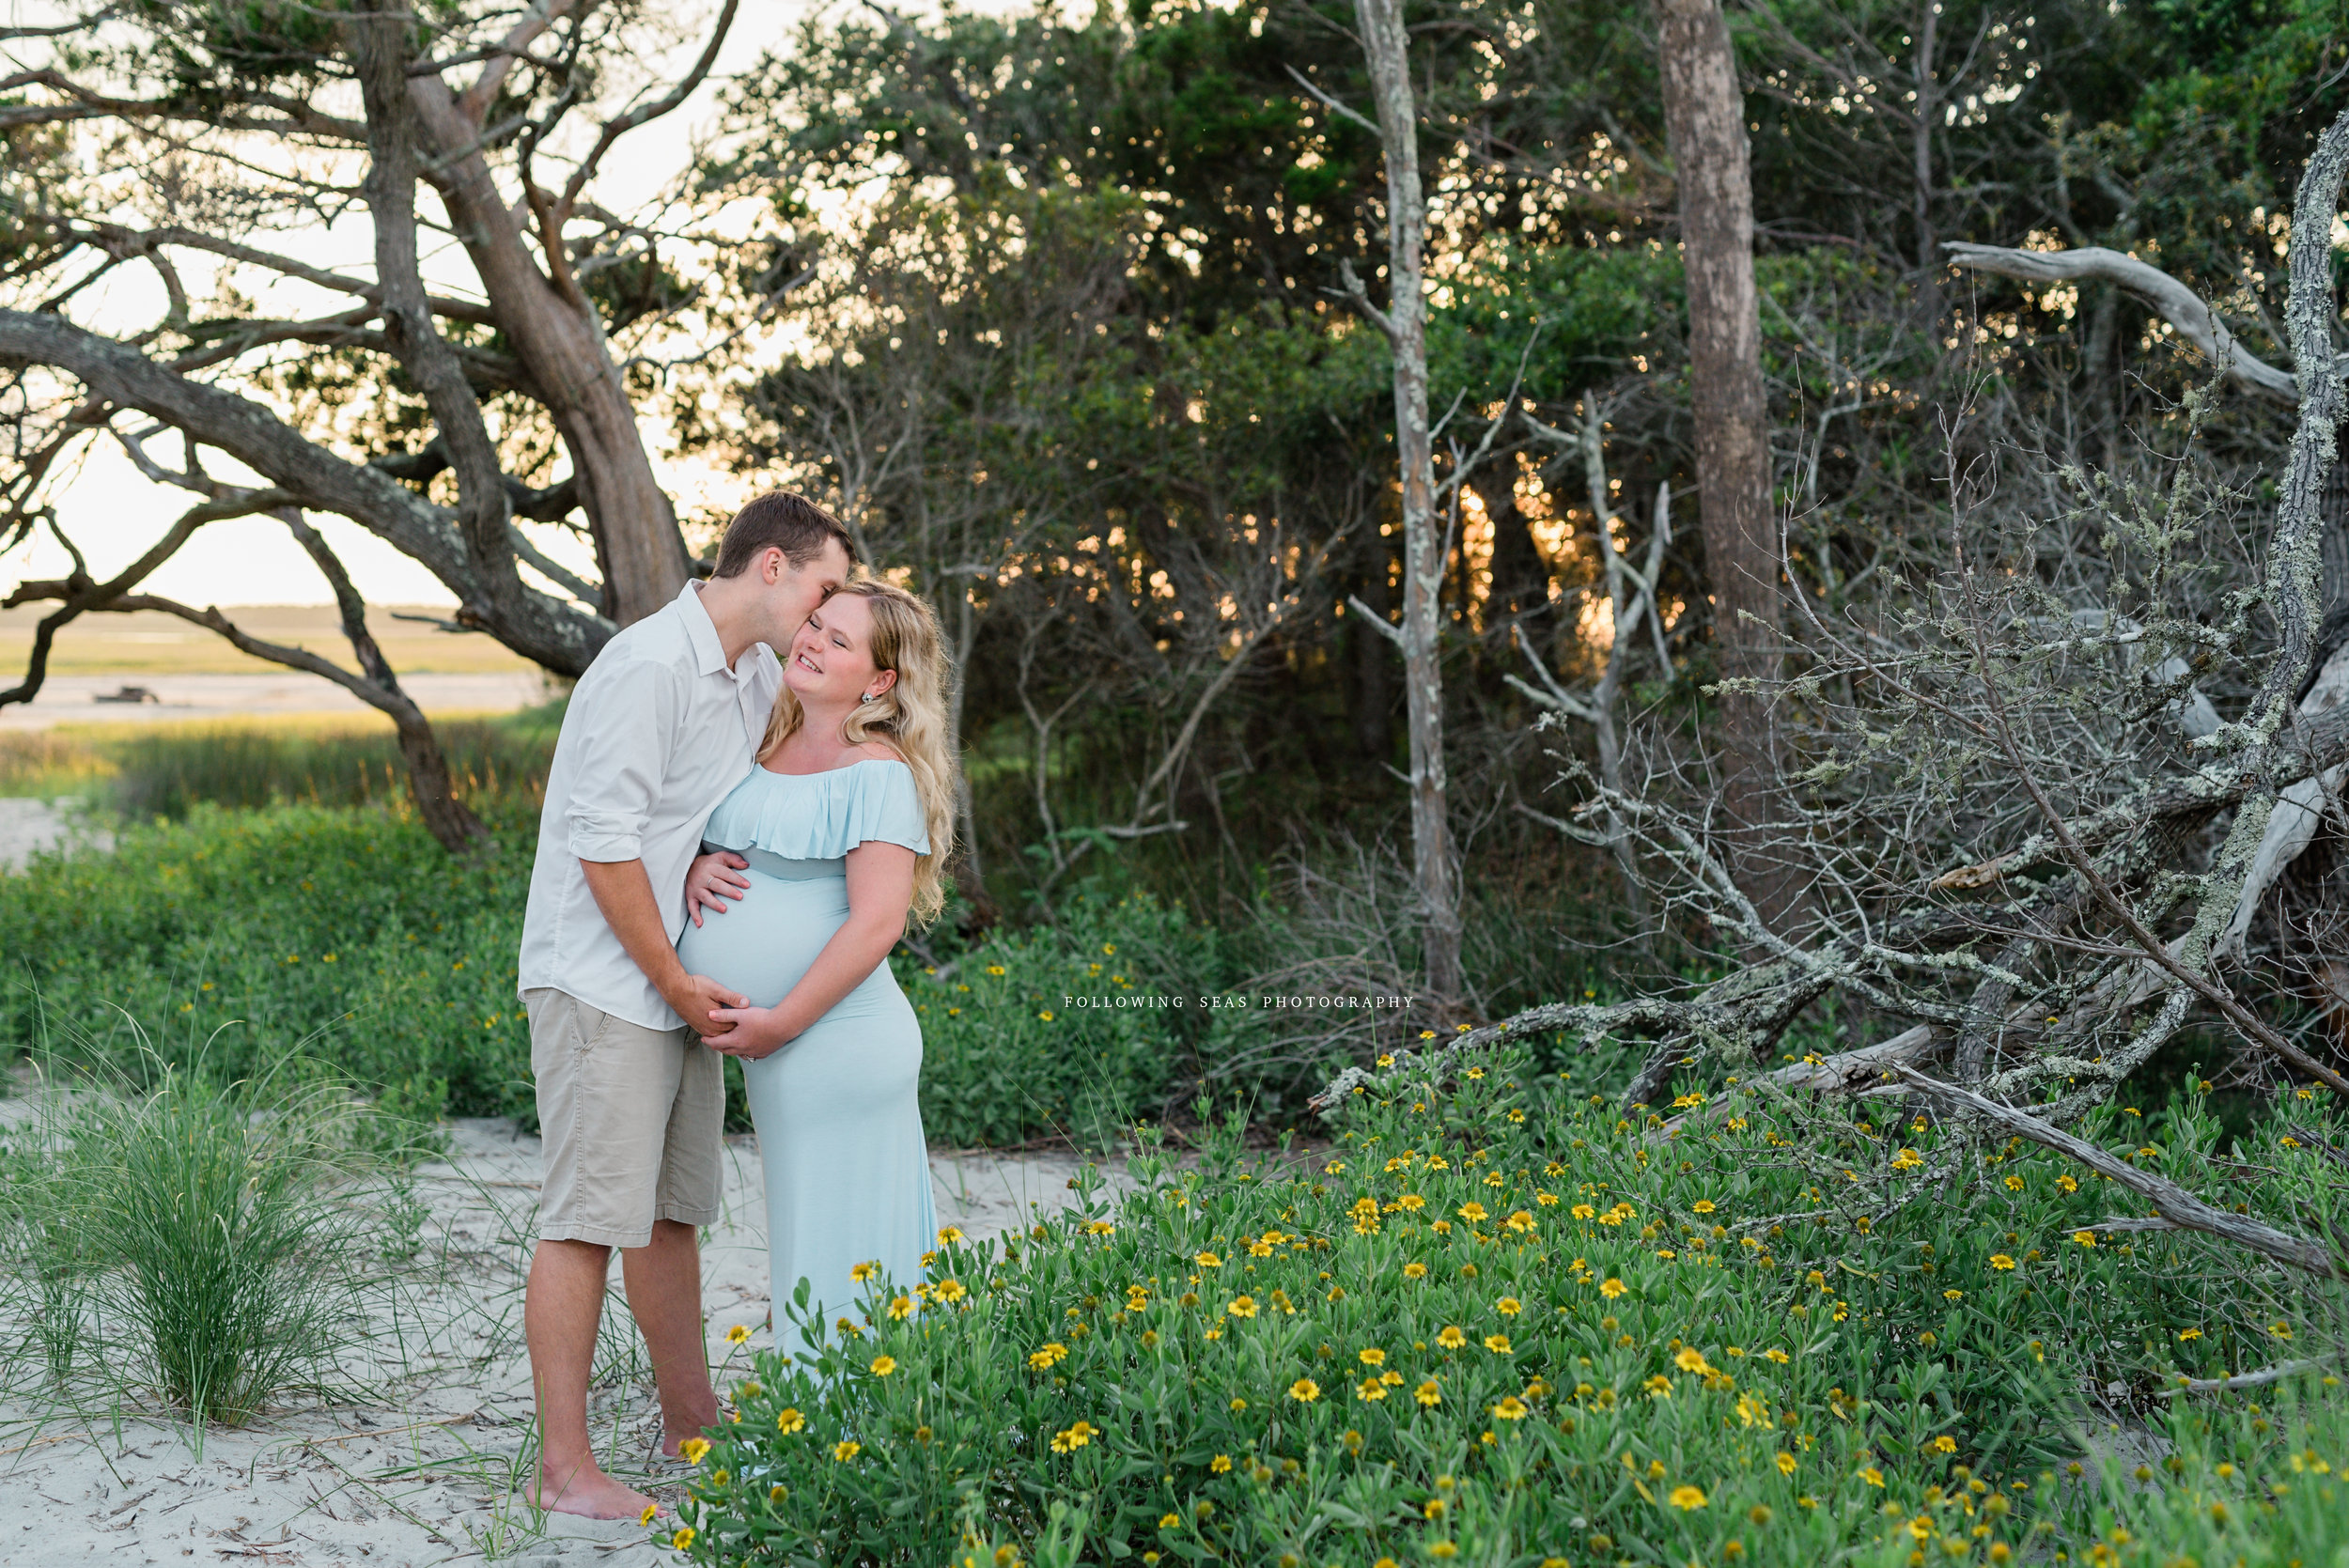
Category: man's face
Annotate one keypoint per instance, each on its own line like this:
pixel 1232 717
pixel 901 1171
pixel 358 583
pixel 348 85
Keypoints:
pixel 795 592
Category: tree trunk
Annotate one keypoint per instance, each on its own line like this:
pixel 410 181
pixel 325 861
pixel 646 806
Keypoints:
pixel 560 341
pixel 448 819
pixel 1371 697
pixel 1704 119
pixel 1920 175
pixel 1387 47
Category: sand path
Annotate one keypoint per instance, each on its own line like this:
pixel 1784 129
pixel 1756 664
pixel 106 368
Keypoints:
pixel 425 1474
pixel 28 826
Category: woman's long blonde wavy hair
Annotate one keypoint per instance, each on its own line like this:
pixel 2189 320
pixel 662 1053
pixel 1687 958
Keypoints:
pixel 910 716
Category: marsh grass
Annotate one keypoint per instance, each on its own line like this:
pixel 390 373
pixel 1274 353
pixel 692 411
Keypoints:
pixel 149 769
pixel 199 1248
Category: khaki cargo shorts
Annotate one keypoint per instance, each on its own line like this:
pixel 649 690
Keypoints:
pixel 633 1122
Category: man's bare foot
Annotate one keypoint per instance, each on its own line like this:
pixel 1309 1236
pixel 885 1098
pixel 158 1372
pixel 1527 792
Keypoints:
pixel 590 1494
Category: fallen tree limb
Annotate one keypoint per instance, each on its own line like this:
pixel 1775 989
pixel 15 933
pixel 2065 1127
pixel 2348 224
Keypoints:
pixel 2259 1379
pixel 2171 1201
pixel 1837 1074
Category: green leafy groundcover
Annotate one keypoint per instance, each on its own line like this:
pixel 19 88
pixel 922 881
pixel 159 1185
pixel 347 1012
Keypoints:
pixel 1507 1331
pixel 236 936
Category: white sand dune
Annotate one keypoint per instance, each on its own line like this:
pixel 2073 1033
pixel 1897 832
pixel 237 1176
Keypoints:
pixel 426 1474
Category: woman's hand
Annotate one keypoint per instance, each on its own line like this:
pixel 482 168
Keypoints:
pixel 756 1032
pixel 713 878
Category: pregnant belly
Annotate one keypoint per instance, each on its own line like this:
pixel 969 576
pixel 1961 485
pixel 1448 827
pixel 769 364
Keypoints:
pixel 765 941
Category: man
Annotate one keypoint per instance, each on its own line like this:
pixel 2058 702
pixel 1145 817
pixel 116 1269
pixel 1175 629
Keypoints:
pixel 631 1103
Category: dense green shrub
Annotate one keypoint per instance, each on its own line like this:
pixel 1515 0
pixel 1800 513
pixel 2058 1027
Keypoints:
pixel 237 935
pixel 2262 1481
pixel 1498 1324
pixel 1072 1029
pixel 240 934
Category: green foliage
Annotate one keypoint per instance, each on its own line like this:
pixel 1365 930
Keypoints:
pixel 1068 1029
pixel 348 933
pixel 242 934
pixel 2256 1481
pixel 1494 1325
pixel 195 1247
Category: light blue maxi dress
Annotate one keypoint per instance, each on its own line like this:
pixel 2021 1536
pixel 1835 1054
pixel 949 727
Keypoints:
pixel 837 1113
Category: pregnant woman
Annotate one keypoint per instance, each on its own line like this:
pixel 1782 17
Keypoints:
pixel 837 835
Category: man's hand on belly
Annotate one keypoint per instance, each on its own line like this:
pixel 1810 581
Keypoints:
pixel 712 880
pixel 698 999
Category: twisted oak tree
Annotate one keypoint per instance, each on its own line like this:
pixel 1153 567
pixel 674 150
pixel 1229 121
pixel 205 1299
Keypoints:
pixel 210 146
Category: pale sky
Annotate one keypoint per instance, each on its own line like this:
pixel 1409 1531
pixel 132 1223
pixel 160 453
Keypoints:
pixel 113 512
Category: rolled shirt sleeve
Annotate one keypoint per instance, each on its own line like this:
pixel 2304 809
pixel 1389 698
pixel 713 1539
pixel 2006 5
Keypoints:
pixel 624 758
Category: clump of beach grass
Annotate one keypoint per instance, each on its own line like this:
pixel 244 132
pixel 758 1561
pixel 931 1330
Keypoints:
pixel 199 1248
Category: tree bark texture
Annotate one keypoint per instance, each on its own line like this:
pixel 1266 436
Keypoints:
pixel 1704 120
pixel 560 341
pixel 1386 45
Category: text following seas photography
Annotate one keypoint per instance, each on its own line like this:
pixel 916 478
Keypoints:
pixel 1147 1000
pixel 1555 783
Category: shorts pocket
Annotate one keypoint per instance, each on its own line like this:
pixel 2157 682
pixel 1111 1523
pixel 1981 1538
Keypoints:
pixel 589 1025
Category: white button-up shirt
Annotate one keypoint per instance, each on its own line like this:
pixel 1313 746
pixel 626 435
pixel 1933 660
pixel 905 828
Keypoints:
pixel 658 731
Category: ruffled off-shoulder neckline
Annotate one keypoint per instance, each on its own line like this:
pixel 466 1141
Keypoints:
pixel 822 822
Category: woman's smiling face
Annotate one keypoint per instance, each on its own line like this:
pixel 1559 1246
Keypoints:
pixel 831 661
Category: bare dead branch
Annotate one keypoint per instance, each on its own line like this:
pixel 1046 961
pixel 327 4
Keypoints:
pixel 2173 1203
pixel 2178 305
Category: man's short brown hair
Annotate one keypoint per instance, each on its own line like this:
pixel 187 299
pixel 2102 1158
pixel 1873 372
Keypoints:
pixel 785 520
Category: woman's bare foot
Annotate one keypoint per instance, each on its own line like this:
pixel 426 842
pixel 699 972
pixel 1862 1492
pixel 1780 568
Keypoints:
pixel 673 1439
pixel 589 1492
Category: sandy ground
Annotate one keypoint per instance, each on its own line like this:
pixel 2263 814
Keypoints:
pixel 72 699
pixel 27 825
pixel 425 1472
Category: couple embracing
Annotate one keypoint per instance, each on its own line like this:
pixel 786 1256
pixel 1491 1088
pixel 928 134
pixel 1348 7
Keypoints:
pixel 806 801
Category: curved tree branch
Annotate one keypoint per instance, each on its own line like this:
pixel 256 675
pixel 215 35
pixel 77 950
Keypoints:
pixel 2180 305
pixel 557 636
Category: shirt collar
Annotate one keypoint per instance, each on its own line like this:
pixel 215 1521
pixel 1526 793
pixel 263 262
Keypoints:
pixel 710 654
